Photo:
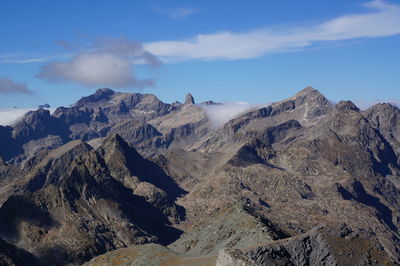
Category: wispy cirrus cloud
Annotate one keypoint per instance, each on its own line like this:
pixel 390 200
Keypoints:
pixel 380 19
pixel 107 63
pixel 174 12
pixel 9 86
pixel 20 58
pixel 25 60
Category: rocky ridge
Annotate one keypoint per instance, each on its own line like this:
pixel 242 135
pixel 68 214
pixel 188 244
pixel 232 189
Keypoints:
pixel 299 182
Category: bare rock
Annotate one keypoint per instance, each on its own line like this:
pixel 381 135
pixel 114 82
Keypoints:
pixel 189 99
pixel 228 257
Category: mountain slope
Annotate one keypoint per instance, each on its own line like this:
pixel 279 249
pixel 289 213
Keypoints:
pixel 73 205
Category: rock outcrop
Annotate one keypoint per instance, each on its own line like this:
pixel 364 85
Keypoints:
pixel 189 99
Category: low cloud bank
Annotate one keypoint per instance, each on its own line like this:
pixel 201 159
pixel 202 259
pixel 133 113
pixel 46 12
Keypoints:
pixel 8 116
pixel 221 113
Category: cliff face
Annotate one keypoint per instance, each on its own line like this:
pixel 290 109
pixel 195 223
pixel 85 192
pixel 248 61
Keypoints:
pixel 298 182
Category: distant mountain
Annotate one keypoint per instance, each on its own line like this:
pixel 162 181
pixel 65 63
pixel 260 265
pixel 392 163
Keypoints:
pixel 95 116
pixel 302 181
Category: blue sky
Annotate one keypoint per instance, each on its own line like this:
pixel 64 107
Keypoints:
pixel 255 51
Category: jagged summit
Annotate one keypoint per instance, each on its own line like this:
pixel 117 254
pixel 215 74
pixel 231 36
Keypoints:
pixel 384 108
pixel 347 105
pixel 189 99
pixel 115 143
pixel 46 105
pixel 71 149
pixel 386 118
pixel 311 95
pixel 98 96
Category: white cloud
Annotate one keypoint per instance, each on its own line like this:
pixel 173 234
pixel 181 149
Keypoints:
pixel 174 12
pixel 219 114
pixel 110 63
pixel 382 19
pixel 8 86
pixel 8 116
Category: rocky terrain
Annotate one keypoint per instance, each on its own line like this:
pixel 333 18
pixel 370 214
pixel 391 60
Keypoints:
pixel 140 182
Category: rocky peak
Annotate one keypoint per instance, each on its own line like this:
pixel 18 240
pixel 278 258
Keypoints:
pixel 385 109
pixel 71 150
pixel 52 168
pixel 120 157
pixel 384 115
pixel 311 96
pixel 306 90
pixel 103 94
pixel 189 99
pixel 40 114
pixel 33 125
pixel 346 106
pixel 386 118
pixel 46 105
pixel 115 141
pixel 2 162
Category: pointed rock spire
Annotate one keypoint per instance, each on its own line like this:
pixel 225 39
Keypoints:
pixel 189 99
pixel 121 158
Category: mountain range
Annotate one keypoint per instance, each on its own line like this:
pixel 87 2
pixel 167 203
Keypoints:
pixel 125 178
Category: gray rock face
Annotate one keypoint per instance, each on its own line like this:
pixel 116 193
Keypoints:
pixel 227 257
pixel 229 227
pixel 386 119
pixel 319 246
pixel 310 249
pixel 189 99
pixel 101 95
